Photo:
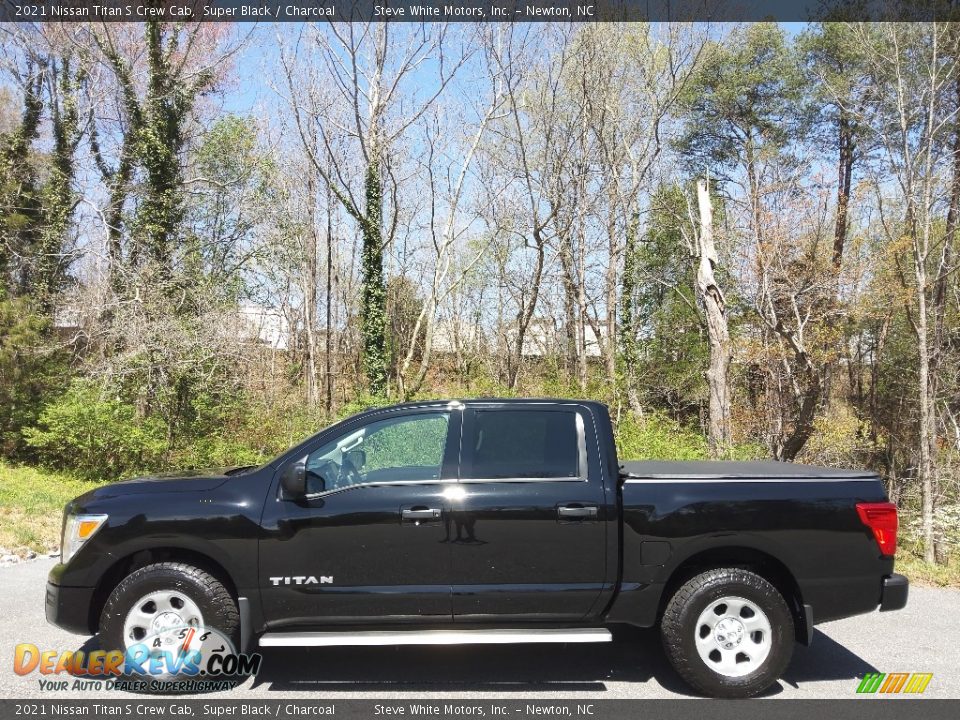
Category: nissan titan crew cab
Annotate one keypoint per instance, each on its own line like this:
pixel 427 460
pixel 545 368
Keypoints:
pixel 485 521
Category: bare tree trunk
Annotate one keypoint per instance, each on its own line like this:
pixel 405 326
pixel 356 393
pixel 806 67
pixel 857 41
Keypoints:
pixel 328 330
pixel 527 309
pixel 310 297
pixel 628 329
pixel 570 333
pixel 939 299
pixel 715 310
pixel 927 429
pixel 608 345
pixel 845 174
pixel 582 315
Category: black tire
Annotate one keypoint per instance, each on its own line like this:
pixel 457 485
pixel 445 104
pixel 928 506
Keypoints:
pixel 678 629
pixel 216 604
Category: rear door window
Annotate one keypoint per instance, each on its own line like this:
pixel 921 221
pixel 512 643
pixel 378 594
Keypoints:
pixel 524 444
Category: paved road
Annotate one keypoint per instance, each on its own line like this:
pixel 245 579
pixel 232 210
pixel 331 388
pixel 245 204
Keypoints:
pixel 925 637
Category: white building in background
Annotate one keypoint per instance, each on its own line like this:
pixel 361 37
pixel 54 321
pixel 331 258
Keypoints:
pixel 248 322
pixel 544 337
pixel 449 336
pixel 265 325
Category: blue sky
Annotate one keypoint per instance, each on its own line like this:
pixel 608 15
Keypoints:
pixel 259 60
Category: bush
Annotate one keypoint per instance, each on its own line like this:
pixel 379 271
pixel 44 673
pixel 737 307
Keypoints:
pixel 31 372
pixel 96 436
pixel 839 439
pixel 655 436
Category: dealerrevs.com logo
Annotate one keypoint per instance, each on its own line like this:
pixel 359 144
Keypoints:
pixel 894 683
pixel 177 660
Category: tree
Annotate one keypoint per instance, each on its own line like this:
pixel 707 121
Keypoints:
pixel 912 116
pixel 36 186
pixel 834 65
pixel 745 122
pixel 155 136
pixel 672 357
pixel 714 306
pixel 371 66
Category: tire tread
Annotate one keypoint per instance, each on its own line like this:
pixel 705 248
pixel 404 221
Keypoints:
pixel 672 628
pixel 216 593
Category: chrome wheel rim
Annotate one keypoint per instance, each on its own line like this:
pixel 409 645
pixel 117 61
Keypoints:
pixel 733 636
pixel 160 615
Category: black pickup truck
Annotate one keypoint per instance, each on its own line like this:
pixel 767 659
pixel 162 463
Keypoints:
pixel 485 521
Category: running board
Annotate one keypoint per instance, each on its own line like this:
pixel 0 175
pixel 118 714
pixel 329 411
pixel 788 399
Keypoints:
pixel 435 637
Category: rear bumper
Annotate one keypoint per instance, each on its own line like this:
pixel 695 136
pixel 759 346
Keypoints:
pixel 69 607
pixel 893 594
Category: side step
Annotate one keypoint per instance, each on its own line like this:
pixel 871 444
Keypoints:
pixel 435 637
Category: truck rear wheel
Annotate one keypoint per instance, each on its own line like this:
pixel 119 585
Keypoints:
pixel 728 633
pixel 158 599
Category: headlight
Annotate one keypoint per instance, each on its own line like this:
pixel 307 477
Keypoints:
pixel 77 529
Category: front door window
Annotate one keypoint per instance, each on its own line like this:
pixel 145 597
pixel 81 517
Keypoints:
pixel 408 448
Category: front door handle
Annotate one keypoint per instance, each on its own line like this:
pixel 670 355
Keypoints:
pixel 420 514
pixel 577 512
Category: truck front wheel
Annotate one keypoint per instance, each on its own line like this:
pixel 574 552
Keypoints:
pixel 153 603
pixel 728 633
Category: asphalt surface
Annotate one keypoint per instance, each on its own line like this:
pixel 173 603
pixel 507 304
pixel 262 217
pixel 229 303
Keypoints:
pixel 924 637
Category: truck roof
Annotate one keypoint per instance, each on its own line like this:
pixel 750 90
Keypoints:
pixel 724 469
pixel 491 400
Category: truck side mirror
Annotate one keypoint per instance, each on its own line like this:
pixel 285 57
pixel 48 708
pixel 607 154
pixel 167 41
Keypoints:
pixel 293 480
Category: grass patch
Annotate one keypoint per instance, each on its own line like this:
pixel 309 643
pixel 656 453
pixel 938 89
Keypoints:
pixel 31 506
pixel 923 573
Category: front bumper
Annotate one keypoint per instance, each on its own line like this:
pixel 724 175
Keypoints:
pixel 69 607
pixel 893 594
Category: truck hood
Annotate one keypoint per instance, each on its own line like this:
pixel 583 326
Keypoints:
pixel 187 481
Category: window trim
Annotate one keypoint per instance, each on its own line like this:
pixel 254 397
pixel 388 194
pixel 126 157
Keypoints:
pixel 381 483
pixel 466 456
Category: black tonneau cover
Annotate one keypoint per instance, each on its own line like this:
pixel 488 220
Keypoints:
pixel 724 470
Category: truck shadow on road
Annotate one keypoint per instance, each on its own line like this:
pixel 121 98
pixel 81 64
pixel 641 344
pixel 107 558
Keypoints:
pixel 635 656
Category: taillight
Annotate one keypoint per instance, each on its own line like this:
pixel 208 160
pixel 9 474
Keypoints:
pixel 881 517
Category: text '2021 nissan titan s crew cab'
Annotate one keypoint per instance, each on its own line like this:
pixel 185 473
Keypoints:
pixel 485 521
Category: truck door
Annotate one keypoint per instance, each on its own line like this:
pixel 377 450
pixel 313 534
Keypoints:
pixel 529 536
pixel 367 543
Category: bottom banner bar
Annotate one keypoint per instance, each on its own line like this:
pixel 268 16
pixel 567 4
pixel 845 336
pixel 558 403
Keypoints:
pixel 284 709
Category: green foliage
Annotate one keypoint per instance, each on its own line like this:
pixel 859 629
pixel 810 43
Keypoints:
pixel 671 351
pixel 745 100
pixel 373 310
pixel 911 564
pixel 31 371
pixel 37 199
pixel 31 506
pixel 654 436
pixel 226 208
pixel 99 437
pixel 839 439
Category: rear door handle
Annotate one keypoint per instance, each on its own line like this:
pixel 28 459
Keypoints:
pixel 572 512
pixel 420 514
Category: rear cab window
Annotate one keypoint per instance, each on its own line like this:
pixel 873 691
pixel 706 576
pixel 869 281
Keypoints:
pixel 523 443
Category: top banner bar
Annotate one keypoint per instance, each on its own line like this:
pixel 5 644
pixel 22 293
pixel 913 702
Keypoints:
pixel 33 11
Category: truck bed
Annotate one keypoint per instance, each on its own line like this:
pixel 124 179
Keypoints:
pixel 726 470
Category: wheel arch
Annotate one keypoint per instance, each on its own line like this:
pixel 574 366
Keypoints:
pixel 148 556
pixel 763 563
